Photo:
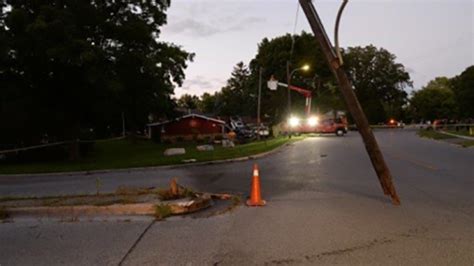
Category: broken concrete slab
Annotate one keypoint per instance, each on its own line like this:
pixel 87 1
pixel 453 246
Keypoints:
pixel 228 143
pixel 174 151
pixel 205 148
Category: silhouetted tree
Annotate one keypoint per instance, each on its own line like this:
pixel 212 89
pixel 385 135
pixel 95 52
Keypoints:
pixel 67 65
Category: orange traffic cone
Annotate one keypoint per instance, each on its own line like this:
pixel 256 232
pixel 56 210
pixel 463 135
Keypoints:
pixel 255 196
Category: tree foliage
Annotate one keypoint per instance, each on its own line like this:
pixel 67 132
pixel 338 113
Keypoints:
pixel 463 87
pixel 236 97
pixel 435 100
pixel 207 103
pixel 273 55
pixel 444 97
pixel 187 101
pixel 68 65
pixel 379 81
pixel 239 96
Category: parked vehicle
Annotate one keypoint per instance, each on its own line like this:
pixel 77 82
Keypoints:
pixel 262 131
pixel 392 123
pixel 242 131
pixel 245 132
pixel 313 124
pixel 236 123
pixel 337 126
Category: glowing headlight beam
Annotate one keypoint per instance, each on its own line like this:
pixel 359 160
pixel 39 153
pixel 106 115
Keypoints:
pixel 294 121
pixel 313 121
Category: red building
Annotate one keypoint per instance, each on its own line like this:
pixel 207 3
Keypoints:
pixel 188 127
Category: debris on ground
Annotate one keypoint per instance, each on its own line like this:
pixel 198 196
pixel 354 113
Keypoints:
pixel 175 192
pixel 160 203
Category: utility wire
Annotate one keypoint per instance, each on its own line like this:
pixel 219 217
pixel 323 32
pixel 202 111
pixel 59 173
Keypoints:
pixel 294 30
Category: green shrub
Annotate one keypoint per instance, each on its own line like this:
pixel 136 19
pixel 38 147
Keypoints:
pixel 162 211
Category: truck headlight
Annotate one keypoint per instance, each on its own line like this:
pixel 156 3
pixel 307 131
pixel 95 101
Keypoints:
pixel 294 121
pixel 313 121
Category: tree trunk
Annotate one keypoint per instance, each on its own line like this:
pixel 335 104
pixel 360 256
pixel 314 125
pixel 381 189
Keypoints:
pixel 74 154
pixel 74 149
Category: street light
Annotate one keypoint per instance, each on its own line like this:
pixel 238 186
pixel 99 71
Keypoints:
pixel 305 67
pixel 288 79
pixel 289 74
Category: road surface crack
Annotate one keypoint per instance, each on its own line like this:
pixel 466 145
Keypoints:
pixel 319 256
pixel 130 250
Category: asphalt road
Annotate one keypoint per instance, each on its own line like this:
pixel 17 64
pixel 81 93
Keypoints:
pixel 325 207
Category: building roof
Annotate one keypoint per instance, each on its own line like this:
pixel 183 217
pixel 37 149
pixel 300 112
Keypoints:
pixel 186 116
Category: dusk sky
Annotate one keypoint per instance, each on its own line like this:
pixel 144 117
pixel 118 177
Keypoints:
pixel 430 38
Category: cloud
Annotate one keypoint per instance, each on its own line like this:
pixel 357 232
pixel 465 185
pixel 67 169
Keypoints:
pixel 197 85
pixel 201 21
pixel 192 27
pixel 205 27
pixel 245 23
pixel 197 82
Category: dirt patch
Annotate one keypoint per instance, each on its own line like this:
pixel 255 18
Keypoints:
pixel 219 207
pixel 4 214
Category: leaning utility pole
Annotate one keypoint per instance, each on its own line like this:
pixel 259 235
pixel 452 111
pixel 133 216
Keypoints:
pixel 351 100
pixel 259 121
pixel 260 70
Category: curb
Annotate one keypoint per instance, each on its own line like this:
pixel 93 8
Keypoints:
pixel 177 207
pixel 151 168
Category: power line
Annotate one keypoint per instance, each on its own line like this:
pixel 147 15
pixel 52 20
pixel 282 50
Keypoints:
pixel 294 30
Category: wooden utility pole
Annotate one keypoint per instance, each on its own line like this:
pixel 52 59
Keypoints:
pixel 288 81
pixel 352 102
pixel 259 95
pixel 259 121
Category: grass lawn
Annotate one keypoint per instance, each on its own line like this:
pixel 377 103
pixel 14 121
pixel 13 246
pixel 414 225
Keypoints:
pixel 468 143
pixel 124 154
pixel 432 134
pixel 436 135
pixel 460 132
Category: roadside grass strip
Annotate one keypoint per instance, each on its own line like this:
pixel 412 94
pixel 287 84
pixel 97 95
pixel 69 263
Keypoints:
pixel 122 154
pixel 468 143
pixel 432 134
pixel 464 132
pixel 449 135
